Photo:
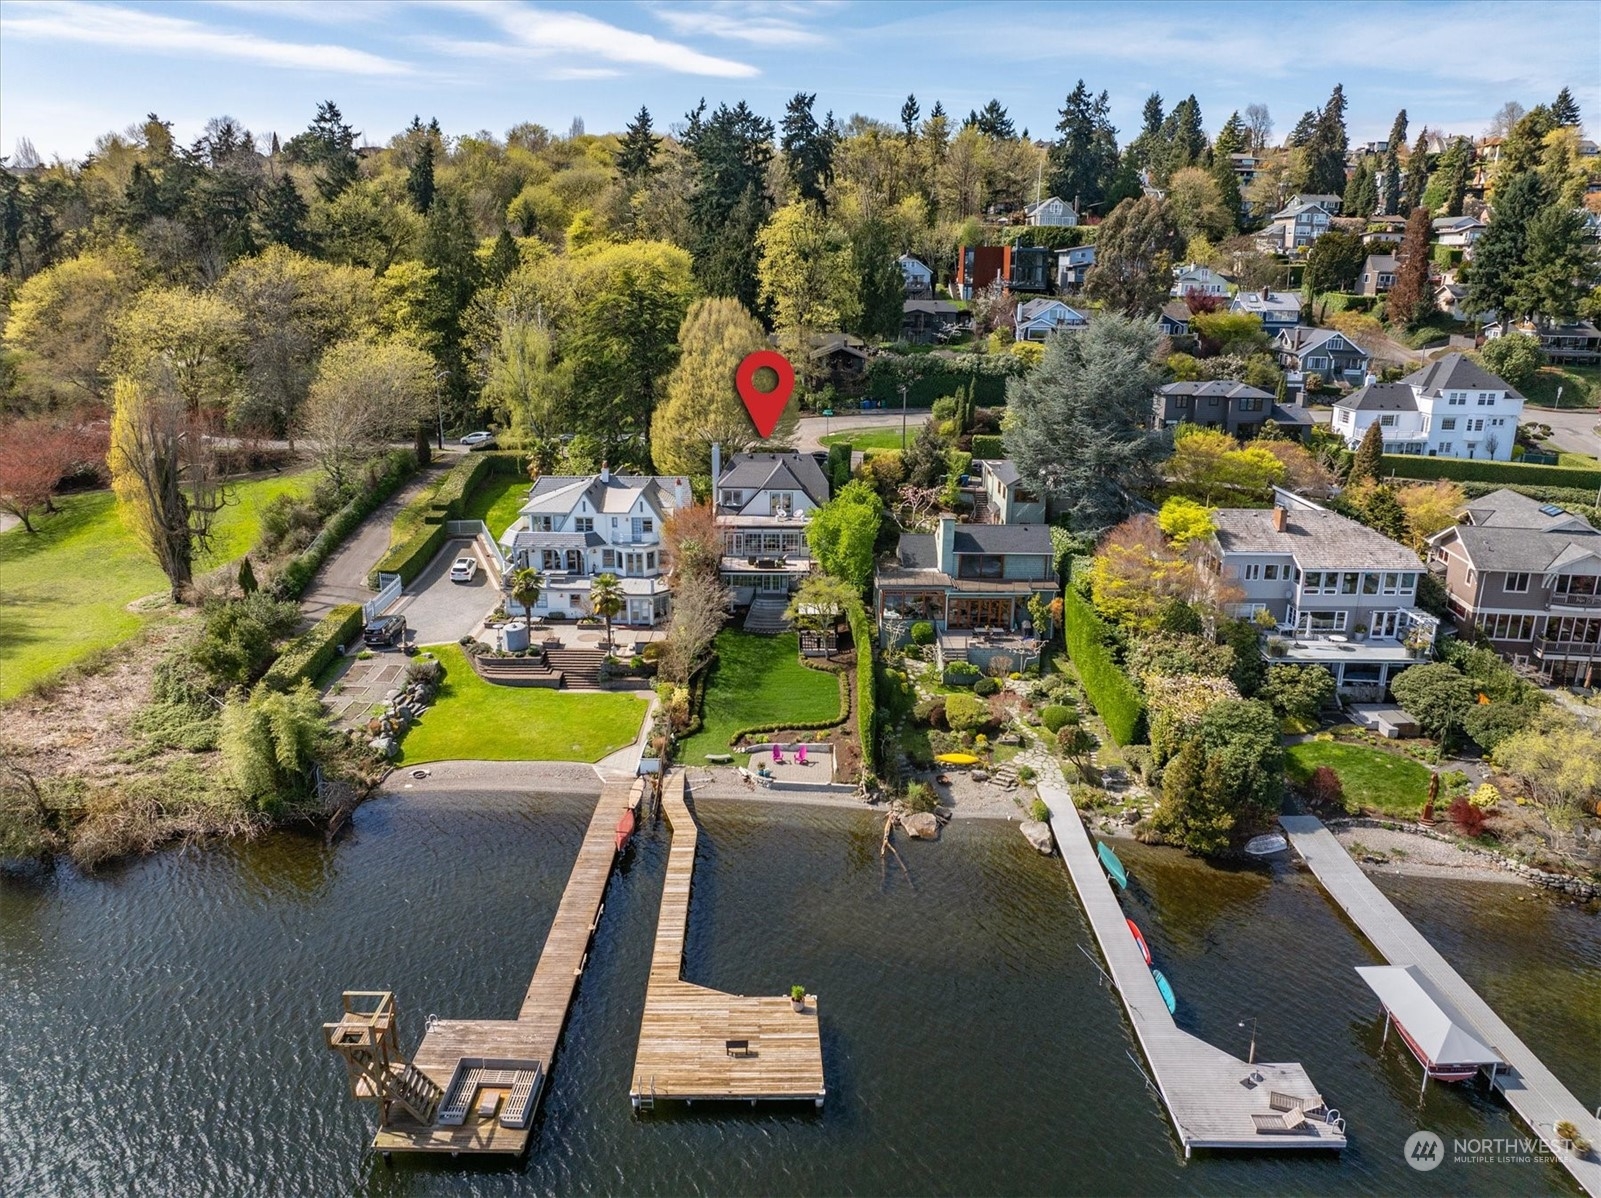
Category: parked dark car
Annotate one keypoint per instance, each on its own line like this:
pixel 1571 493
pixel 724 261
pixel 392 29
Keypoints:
pixel 386 630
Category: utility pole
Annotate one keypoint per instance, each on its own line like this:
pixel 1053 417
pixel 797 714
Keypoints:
pixel 903 417
pixel 439 403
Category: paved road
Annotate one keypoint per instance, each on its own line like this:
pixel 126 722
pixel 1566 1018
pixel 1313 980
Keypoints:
pixel 1573 430
pixel 343 577
pixel 812 428
pixel 439 611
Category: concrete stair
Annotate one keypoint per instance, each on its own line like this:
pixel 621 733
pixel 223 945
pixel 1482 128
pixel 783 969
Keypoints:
pixel 1005 776
pixel 580 667
pixel 766 615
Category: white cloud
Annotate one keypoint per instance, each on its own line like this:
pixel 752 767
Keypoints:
pixel 545 33
pixel 134 30
pixel 753 24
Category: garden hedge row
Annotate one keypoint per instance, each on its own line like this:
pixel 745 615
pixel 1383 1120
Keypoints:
pixel 866 690
pixel 309 653
pixel 930 376
pixel 989 445
pixel 1413 466
pixel 411 557
pixel 292 580
pixel 1105 685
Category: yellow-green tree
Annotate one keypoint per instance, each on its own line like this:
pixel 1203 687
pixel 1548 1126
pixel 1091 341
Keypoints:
pixel 701 405
pixel 808 277
pixel 193 337
pixel 366 393
pixel 1184 520
pixel 62 319
pixel 1208 465
pixel 1429 507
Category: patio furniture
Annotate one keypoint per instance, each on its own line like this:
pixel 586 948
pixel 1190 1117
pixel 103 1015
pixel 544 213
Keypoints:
pixel 778 755
pixel 800 755
pixel 1279 1124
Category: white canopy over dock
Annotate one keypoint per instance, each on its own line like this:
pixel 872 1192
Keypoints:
pixel 1433 1029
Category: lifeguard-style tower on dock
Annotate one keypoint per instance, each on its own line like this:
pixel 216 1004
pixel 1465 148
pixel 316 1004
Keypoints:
pixel 368 1037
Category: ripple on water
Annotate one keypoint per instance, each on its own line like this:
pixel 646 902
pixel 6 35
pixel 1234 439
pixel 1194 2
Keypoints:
pixel 168 1016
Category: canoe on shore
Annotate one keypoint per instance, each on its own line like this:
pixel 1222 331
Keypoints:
pixel 956 759
pixel 1266 846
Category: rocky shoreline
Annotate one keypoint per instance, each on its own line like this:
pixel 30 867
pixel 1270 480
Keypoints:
pixel 1430 854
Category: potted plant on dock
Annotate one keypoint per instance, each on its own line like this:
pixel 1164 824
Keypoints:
pixel 797 999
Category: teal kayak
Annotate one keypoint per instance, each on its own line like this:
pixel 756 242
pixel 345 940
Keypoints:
pixel 1113 865
pixel 1166 991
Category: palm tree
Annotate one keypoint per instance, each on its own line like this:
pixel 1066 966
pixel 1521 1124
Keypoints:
pixel 526 586
pixel 606 599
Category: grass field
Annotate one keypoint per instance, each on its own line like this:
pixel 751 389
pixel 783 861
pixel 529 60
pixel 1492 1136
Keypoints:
pixel 497 502
pixel 65 590
pixel 758 680
pixel 474 721
pixel 1581 387
pixel 874 438
pixel 1373 779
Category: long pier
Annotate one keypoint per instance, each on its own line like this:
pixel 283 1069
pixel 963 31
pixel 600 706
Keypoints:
pixel 1214 1099
pixel 504 1048
pixel 696 1043
pixel 1531 1089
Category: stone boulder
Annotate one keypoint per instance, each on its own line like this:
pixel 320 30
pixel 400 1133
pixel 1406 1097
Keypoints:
pixel 384 746
pixel 1038 834
pixel 921 825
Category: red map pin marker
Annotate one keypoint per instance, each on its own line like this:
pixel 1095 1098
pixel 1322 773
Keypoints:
pixel 765 407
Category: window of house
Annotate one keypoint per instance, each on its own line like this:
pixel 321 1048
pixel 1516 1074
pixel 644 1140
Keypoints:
pixel 608 559
pixel 1445 447
pixel 980 565
pixel 584 524
pixel 1517 584
pixel 1392 583
pixel 648 525
pixel 1270 573
pixel 1321 621
pixel 1387 420
pixel 733 498
pixel 1181 401
pixel 1370 584
pixel 1485 401
pixel 540 523
pixel 1253 572
pixel 1454 400
pixel 1348 582
pixel 1409 583
pixel 574 602
pixel 1498 422
pixel 1317 362
pixel 1448 424
pixel 1476 426
pixel 1250 405
pixel 650 561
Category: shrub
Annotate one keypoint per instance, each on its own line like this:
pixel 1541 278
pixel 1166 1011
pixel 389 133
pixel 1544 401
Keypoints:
pixel 928 378
pixel 236 645
pixel 1484 796
pixel 1025 774
pixel 1468 818
pixel 1106 686
pixel 1324 787
pixel 1056 717
pixel 931 711
pixel 961 673
pixel 920 796
pixel 985 687
pixel 964 713
pixel 1037 810
pixel 923 633
pixel 308 654
pixel 384 476
pixel 866 713
pixel 986 445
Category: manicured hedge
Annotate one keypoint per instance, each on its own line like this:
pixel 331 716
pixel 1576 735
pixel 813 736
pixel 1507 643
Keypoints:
pixel 1053 237
pixel 1558 495
pixel 309 653
pixel 292 580
pixel 866 689
pixel 1407 465
pixel 1105 685
pixel 931 376
pixel 989 445
pixel 411 557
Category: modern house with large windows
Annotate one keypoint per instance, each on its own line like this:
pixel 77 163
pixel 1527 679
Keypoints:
pixel 1526 576
pixel 973 583
pixel 1452 408
pixel 575 527
pixel 763 501
pixel 1339 594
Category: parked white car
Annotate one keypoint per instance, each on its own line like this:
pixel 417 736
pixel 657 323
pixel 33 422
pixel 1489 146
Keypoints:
pixel 479 440
pixel 465 569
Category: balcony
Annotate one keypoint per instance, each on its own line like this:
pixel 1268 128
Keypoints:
pixel 1575 602
pixel 1546 649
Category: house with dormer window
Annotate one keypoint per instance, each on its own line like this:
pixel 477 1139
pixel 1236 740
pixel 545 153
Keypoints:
pixel 763 501
pixel 575 527
pixel 1452 408
pixel 1278 309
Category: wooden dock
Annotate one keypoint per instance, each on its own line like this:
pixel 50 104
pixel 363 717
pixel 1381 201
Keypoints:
pixel 1214 1099
pixel 528 1042
pixel 698 1044
pixel 1531 1089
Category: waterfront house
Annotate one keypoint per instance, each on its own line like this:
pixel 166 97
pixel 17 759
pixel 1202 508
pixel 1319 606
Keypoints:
pixel 919 279
pixel 1330 355
pixel 1039 319
pixel 1340 595
pixel 762 503
pixel 1452 408
pixel 1054 212
pixel 1526 577
pixel 575 527
pixel 1226 405
pixel 1577 342
pixel 973 583
pixel 1278 309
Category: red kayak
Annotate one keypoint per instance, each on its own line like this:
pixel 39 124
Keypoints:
pixel 625 828
pixel 1139 940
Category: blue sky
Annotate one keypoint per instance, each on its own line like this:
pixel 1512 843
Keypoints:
pixel 70 70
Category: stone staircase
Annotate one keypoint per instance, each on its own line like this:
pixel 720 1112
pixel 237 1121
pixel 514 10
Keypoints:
pixel 580 667
pixel 766 615
pixel 1005 776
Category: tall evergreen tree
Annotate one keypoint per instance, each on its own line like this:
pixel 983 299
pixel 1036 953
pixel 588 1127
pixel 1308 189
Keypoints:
pixel 809 149
pixel 909 114
pixel 282 214
pixel 1565 109
pixel 731 148
pixel 1369 459
pixel 420 176
pixel 1083 160
pixel 1326 149
pixel 993 121
pixel 503 259
pixel 1231 139
pixel 1417 174
pixel 1361 193
pixel 1409 297
pixel 1149 139
pixel 1301 135
pixel 449 248
pixel 329 145
pixel 881 286
pixel 1136 248
pixel 1184 137
pixel 1499 256
pixel 1558 263
pixel 1455 168
pixel 1397 132
pixel 637 150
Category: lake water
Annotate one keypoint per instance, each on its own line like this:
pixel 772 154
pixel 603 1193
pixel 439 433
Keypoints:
pixel 161 1024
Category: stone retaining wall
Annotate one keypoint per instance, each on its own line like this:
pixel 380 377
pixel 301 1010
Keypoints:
pixel 515 671
pixel 1565 883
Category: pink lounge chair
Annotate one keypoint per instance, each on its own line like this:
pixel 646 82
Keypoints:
pixel 800 754
pixel 778 754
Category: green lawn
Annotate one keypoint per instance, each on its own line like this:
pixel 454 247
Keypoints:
pixel 65 590
pixel 1373 779
pixel 497 502
pixel 875 438
pixel 474 721
pixel 758 680
pixel 1581 387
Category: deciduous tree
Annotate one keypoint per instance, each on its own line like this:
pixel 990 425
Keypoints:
pixel 842 533
pixel 700 405
pixel 365 394
pixel 1136 248
pixel 1429 507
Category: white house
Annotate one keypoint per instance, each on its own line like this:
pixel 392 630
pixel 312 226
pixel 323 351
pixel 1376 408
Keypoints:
pixel 1052 211
pixel 1200 279
pixel 1037 319
pixel 575 527
pixel 1294 227
pixel 1278 309
pixel 762 502
pixel 1452 408
pixel 919 278
pixel 1458 232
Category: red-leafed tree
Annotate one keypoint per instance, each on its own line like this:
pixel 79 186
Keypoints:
pixel 35 455
pixel 1408 300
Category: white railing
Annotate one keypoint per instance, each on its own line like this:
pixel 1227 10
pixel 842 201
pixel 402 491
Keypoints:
pixel 477 528
pixel 389 588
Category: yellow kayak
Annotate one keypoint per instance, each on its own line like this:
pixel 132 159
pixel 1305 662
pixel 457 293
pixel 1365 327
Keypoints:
pixel 956 758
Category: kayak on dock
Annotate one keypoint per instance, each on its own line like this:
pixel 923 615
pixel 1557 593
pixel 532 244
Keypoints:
pixel 1139 939
pixel 1112 864
pixel 1165 990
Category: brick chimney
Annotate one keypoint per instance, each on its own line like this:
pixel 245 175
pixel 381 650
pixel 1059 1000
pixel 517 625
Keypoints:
pixel 1267 293
pixel 1280 518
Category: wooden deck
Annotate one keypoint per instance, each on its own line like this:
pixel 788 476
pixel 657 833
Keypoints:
pixel 529 1039
pixel 1531 1089
pixel 1211 1096
pixel 701 1044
